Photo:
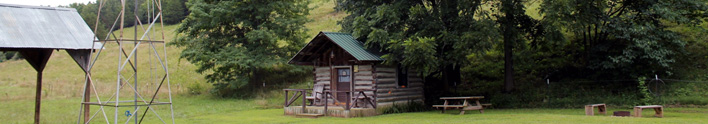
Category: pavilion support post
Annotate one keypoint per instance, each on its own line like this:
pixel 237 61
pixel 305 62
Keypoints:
pixel 83 58
pixel 38 97
pixel 38 59
pixel 87 98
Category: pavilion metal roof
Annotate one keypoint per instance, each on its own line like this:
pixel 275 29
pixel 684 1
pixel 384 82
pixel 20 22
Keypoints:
pixel 43 27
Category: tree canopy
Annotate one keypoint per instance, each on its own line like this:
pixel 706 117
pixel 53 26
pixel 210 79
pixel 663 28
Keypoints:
pixel 237 43
pixel 629 36
pixel 173 12
pixel 433 36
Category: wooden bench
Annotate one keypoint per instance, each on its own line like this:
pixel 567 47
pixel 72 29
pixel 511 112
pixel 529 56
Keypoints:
pixel 465 106
pixel 590 109
pixel 658 109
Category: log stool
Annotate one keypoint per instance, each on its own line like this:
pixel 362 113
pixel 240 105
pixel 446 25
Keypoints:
pixel 658 109
pixel 589 109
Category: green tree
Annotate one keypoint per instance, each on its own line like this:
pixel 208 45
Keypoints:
pixel 516 28
pixel 174 11
pixel 88 13
pixel 109 13
pixel 2 56
pixel 625 38
pixel 432 35
pixel 241 44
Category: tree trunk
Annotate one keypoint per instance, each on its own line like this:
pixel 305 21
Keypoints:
pixel 510 33
pixel 508 65
pixel 451 77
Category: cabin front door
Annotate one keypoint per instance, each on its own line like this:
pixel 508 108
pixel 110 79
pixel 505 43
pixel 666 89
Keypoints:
pixel 344 83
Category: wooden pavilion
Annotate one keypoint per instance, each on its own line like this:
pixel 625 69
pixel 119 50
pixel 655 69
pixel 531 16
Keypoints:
pixel 35 32
pixel 353 80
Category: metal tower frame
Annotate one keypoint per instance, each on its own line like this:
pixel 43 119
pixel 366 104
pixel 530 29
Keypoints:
pixel 140 105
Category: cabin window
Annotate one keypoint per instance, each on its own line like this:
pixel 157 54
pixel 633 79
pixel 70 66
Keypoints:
pixel 343 75
pixel 402 76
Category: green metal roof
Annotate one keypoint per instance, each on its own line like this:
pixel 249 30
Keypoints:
pixel 342 40
pixel 352 46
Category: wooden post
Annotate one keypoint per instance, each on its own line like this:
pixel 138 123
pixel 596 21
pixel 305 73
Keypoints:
pixel 82 58
pixel 349 99
pixel 38 97
pixel 302 92
pixel 87 98
pixel 286 99
pixel 38 59
pixel 325 99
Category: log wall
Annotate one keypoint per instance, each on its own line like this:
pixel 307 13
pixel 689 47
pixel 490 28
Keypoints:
pixel 383 79
pixel 323 76
pixel 389 92
pixel 364 79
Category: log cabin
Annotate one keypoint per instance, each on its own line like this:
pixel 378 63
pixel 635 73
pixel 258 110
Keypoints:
pixel 348 71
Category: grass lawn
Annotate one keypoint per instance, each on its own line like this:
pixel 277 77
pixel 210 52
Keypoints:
pixel 672 115
pixel 209 110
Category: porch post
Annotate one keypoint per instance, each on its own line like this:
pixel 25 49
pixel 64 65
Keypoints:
pixel 303 100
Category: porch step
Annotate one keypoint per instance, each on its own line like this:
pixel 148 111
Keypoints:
pixel 308 115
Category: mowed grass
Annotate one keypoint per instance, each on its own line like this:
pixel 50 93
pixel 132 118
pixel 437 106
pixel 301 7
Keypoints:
pixel 492 116
pixel 62 111
pixel 209 110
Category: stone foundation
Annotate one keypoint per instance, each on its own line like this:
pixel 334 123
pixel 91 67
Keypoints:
pixel 334 111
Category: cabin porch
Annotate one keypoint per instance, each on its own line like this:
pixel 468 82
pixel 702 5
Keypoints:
pixel 354 104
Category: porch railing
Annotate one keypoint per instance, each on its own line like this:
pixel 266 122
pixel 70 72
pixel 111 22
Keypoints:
pixel 296 94
pixel 360 95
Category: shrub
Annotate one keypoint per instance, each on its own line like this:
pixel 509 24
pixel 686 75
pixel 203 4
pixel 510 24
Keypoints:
pixel 195 89
pixel 410 106
pixel 644 91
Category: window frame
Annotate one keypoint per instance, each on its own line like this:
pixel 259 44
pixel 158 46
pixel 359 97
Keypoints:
pixel 401 71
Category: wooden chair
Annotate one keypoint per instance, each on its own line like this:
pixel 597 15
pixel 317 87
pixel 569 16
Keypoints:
pixel 317 92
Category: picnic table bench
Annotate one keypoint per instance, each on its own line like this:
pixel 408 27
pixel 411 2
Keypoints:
pixel 658 109
pixel 590 109
pixel 465 106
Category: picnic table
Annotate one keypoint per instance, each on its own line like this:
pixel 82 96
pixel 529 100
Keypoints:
pixel 464 106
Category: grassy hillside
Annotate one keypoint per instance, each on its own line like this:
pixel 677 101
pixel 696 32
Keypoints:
pixel 63 79
pixel 324 18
